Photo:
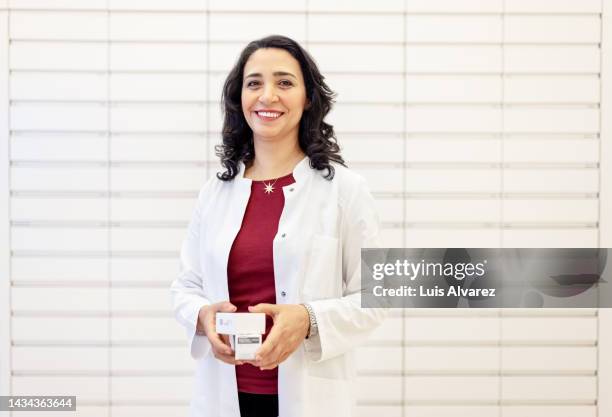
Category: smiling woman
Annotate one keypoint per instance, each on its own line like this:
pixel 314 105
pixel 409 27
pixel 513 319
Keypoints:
pixel 279 232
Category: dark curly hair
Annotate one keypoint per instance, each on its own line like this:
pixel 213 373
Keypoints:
pixel 316 138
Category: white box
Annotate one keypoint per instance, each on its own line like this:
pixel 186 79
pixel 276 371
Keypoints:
pixel 244 329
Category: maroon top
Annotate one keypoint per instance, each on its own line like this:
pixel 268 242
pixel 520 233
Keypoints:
pixel 250 271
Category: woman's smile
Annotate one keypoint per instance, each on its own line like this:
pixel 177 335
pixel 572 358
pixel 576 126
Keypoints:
pixel 268 116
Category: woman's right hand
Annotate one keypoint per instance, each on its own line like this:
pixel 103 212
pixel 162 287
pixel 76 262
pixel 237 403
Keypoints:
pixel 220 343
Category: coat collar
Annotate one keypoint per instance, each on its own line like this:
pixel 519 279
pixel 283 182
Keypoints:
pixel 300 171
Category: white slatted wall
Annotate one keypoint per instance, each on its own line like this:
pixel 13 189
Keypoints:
pixel 476 122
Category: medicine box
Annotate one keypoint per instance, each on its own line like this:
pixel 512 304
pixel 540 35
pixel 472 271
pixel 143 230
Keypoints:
pixel 244 329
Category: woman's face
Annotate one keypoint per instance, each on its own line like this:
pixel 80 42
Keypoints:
pixel 273 94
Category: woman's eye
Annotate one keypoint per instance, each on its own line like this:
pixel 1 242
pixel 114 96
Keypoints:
pixel 286 83
pixel 251 83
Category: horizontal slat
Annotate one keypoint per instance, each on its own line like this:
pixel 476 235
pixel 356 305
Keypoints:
pixel 551 411
pixel 551 180
pixel 369 87
pixel 452 150
pixel 158 26
pixel 443 237
pixel 166 118
pixel 449 180
pixel 65 329
pixel 148 209
pixel 150 410
pixel 562 29
pixel 558 388
pixel 150 330
pixel 547 238
pixel 50 269
pixel 84 387
pixel 552 120
pixel 539 150
pixel 378 410
pixel 90 117
pixel 75 239
pixel 241 5
pixel 452 59
pixel 551 59
pixel 58 4
pixel 160 57
pixel 381 58
pixel 174 179
pixel 473 210
pixel 551 88
pixel 126 388
pixel 544 211
pixel 453 6
pixel 58 25
pixel 425 88
pixel 158 148
pixel 60 359
pixel 58 86
pixel 143 239
pixel 141 299
pixel 82 410
pixel 486 29
pixel 552 6
pixel 371 149
pixel 190 5
pixel 60 269
pixel 156 269
pixel 566 329
pixel 255 26
pixel 60 299
pixel 365 118
pixel 157 87
pixel 58 56
pixel 451 359
pixel 451 329
pixel 456 119
pixel 451 388
pixel 348 6
pixel 58 147
pixel 67 209
pixel 507 360
pixel 434 410
pixel 349 28
pixel 151 359
pixel 547 359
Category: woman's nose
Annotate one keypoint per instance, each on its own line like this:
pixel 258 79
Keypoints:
pixel 268 94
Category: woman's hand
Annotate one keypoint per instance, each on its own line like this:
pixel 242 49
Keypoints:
pixel 220 343
pixel 291 324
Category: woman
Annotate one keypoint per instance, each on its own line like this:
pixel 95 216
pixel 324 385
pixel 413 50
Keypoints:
pixel 278 232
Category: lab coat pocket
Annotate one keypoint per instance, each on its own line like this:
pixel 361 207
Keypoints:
pixel 321 279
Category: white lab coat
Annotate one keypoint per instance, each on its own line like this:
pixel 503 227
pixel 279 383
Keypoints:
pixel 316 256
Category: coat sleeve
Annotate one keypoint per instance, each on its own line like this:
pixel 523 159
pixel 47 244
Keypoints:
pixel 187 294
pixel 342 322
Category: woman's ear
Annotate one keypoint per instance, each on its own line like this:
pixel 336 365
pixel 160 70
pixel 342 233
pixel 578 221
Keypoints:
pixel 307 106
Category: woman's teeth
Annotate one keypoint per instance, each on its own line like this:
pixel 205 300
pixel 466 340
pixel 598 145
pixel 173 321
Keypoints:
pixel 268 114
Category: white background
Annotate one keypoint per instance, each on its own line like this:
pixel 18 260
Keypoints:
pixel 477 123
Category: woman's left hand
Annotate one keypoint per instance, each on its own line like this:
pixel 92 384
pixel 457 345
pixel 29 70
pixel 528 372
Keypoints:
pixel 291 325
